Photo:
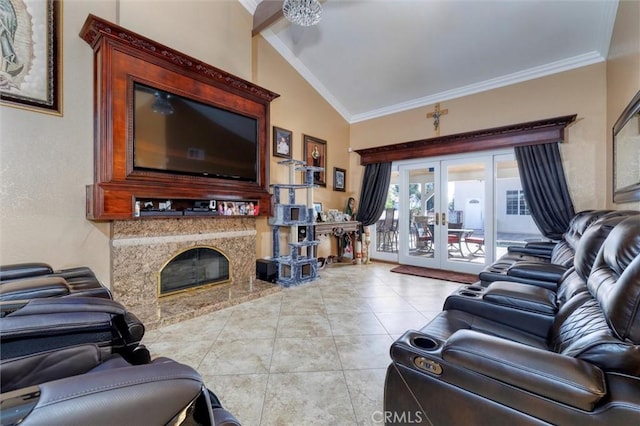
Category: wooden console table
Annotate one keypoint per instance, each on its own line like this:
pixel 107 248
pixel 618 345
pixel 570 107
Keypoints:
pixel 338 229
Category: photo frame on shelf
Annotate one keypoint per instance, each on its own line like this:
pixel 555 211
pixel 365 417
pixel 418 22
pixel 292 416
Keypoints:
pixel 315 154
pixel 339 179
pixel 282 142
pixel 317 207
pixel 33 67
pixel 626 149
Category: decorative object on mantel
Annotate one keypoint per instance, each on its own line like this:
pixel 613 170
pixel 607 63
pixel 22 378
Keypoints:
pixel 315 155
pixel 436 114
pixel 31 78
pixel 302 12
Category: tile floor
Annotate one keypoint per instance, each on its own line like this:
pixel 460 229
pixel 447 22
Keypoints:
pixel 315 354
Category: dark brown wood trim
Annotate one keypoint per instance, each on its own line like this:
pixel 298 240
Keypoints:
pixel 94 29
pixel 123 58
pixel 267 13
pixel 530 133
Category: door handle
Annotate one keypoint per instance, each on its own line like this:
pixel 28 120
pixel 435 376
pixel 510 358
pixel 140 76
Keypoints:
pixel 437 218
pixel 444 219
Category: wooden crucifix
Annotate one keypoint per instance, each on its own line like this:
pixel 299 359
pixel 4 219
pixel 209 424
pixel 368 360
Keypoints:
pixel 436 114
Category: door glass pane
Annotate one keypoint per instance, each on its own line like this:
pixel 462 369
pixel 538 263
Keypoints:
pixel 465 200
pixel 421 212
pixel 514 224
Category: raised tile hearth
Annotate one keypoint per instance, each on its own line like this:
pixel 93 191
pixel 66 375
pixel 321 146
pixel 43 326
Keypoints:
pixel 141 248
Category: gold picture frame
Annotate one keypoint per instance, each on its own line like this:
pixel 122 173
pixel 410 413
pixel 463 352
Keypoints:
pixel 31 63
pixel 315 154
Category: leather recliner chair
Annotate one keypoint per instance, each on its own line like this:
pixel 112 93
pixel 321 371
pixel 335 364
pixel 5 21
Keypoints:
pixel 533 306
pixel 31 331
pixel 36 280
pixel 464 369
pixel 114 392
pixel 518 265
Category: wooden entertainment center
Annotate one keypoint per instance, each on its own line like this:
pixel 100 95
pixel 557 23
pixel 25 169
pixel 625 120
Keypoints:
pixel 123 58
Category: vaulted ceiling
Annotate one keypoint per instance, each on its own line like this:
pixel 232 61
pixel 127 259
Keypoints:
pixel 370 58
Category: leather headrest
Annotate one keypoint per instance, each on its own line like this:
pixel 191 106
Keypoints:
pixel 593 238
pixel 579 225
pixel 615 279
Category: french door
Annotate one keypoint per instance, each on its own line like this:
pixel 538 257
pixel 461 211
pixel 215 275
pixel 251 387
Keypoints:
pixel 445 209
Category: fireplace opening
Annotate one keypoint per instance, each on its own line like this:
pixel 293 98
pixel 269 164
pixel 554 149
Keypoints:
pixel 195 267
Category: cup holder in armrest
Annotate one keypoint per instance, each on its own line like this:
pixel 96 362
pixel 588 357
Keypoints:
pixel 468 293
pixel 425 343
pixel 475 288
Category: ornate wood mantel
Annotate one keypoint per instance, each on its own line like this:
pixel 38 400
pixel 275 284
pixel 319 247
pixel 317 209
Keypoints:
pixel 122 58
pixel 530 133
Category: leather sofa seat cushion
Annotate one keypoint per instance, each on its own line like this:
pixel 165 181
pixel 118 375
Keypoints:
pixel 567 380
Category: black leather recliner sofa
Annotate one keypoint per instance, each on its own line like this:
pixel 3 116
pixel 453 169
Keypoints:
pixel 529 265
pixel 37 280
pixel 78 360
pixel 463 368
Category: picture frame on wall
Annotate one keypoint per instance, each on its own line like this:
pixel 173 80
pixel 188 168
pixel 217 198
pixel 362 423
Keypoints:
pixel 32 55
pixel 339 179
pixel 282 142
pixel 315 154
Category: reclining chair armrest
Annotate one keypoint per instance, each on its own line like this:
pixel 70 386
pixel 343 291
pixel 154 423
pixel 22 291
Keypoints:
pixel 32 288
pixel 522 296
pixel 23 270
pixel 536 248
pixel 560 378
pixel 540 271
pixel 47 366
pixel 156 393
pixel 534 316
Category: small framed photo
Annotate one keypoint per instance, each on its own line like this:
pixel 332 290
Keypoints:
pixel 317 207
pixel 315 154
pixel 31 48
pixel 339 179
pixel 281 142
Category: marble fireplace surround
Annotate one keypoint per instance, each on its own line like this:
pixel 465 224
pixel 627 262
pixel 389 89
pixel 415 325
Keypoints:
pixel 140 248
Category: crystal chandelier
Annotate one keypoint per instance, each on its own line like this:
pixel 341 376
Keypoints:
pixel 302 12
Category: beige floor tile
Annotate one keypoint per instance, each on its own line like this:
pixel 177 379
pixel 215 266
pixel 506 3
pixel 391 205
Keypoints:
pixel 308 354
pixel 336 304
pixel 389 304
pixel 313 325
pixel 355 323
pixel 250 324
pixel 240 394
pixel 316 398
pixel 399 322
pixel 246 356
pixel 362 352
pixel 189 352
pixel 366 389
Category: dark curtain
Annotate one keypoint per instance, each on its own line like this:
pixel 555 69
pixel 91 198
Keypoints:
pixel 373 196
pixel 545 188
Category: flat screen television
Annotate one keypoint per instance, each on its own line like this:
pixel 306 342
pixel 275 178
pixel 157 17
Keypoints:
pixel 174 134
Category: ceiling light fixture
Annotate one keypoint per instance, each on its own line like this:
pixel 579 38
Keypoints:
pixel 302 12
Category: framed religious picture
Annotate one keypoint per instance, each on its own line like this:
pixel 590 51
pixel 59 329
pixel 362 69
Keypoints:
pixel 31 40
pixel 315 154
pixel 281 142
pixel 339 179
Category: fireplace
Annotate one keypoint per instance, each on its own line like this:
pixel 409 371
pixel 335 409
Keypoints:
pixel 141 249
pixel 192 268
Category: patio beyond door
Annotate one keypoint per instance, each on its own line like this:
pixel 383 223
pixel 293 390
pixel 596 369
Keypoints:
pixel 444 209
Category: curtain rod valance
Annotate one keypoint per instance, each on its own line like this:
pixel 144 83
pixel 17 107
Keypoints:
pixel 530 133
